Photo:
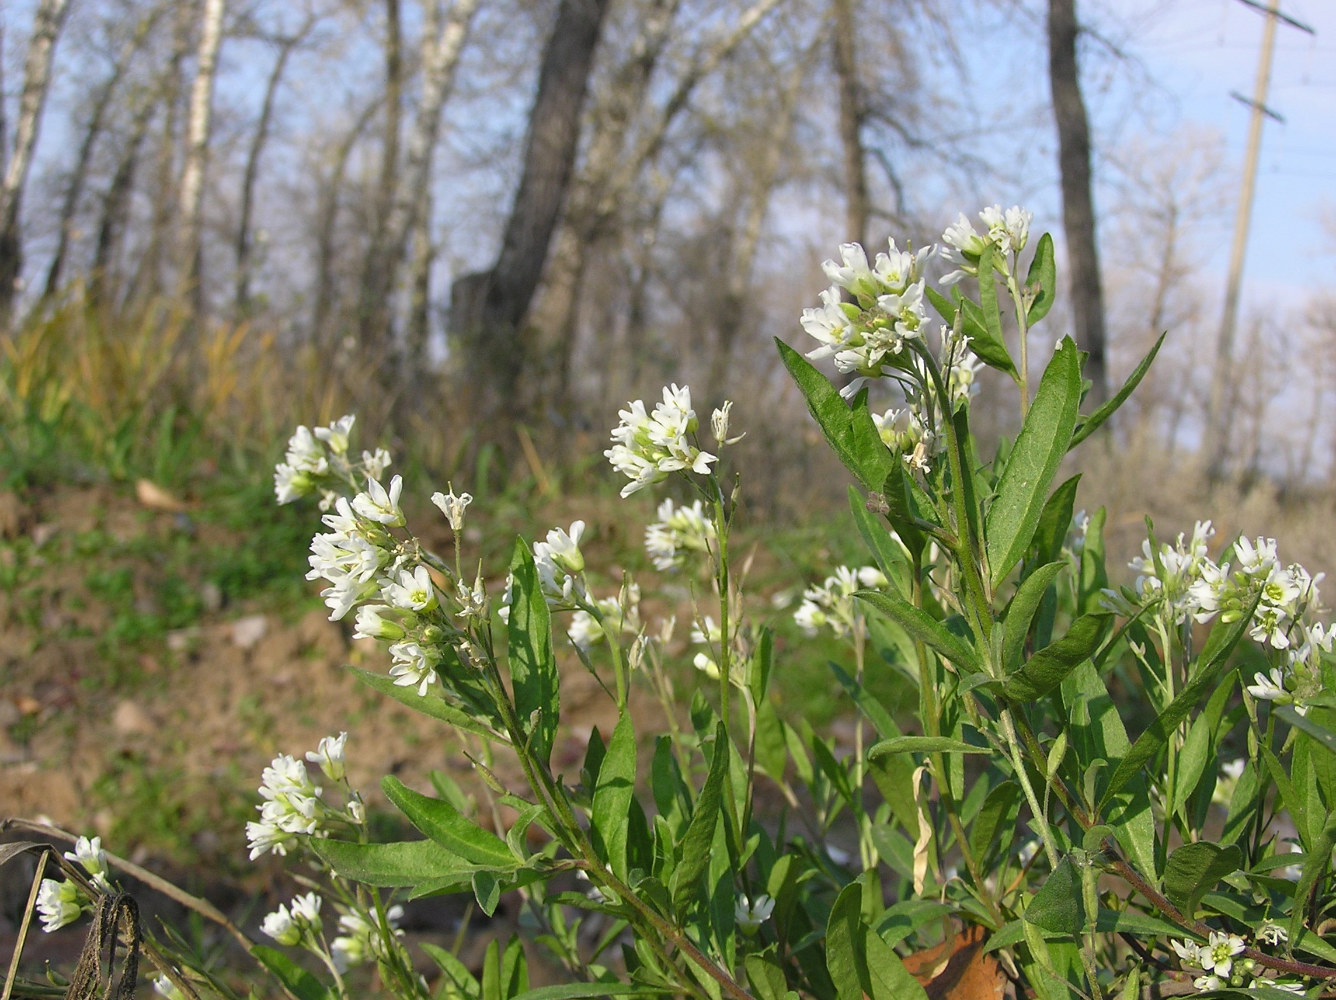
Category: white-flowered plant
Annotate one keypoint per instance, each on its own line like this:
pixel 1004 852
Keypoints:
pixel 680 535
pixel 831 603
pixel 648 446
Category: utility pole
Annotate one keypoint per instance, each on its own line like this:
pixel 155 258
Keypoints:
pixel 1220 411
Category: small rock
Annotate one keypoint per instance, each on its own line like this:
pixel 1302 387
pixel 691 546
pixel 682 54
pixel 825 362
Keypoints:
pixel 130 719
pixel 15 515
pixel 44 532
pixel 211 596
pixel 247 631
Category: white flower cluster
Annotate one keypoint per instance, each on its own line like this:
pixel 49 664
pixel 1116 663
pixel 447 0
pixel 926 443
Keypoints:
pixel 300 925
pixel 294 805
pixel 1007 232
pixel 679 532
pixel 358 554
pixel 317 461
pixel 868 334
pixel 361 940
pixel 1221 966
pixel 615 615
pixel 1181 582
pixel 1167 578
pixel 649 446
pixel 831 605
pixel 61 902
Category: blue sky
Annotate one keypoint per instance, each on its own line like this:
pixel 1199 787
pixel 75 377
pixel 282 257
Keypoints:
pixel 1200 51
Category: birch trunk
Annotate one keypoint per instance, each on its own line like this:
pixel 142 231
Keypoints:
pixel 47 23
pixel 197 149
pixel 440 58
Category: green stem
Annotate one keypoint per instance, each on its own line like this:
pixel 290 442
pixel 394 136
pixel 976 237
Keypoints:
pixel 1023 776
pixel 1022 321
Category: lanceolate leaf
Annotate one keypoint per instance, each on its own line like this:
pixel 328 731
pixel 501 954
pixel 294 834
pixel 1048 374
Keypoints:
pixel 1045 670
pixel 1040 446
pixel 613 793
pixel 922 626
pixel 1043 274
pixel 1096 419
pixel 924 744
pixel 533 665
pixel 850 432
pixel 430 704
pixel 401 863
pixel 300 983
pixel 695 853
pixel 1022 609
pixel 440 821
pixel 1058 906
pixel 1194 869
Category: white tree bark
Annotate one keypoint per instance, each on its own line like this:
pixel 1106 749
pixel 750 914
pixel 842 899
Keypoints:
pixel 197 137
pixel 36 82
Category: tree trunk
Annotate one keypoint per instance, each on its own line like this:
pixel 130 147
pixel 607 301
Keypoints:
pixel 116 205
pixel 327 214
pixel 36 82
pixel 487 308
pixel 440 58
pixel 856 203
pixel 79 176
pixel 1078 210
pixel 286 46
pixel 197 149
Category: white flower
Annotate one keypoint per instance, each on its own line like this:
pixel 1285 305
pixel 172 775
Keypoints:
pixel 336 434
pixel 749 915
pixel 414 665
pixel 1272 933
pixel 1189 952
pixel 291 807
pixel 381 505
pixel 719 421
pixel 1269 686
pixel 372 623
pixel 1007 231
pixel 329 755
pixel 649 446
pixel 89 853
pixel 1210 982
pixel 832 602
pixel 360 941
pixel 1185 580
pixel 678 532
pixel 58 904
pixel 1217 955
pixel 164 987
pixel 452 506
pixel 293 927
pixel 559 563
pixel 409 590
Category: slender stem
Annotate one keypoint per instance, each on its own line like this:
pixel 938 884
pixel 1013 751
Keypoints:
pixel 1022 321
pixel 1023 776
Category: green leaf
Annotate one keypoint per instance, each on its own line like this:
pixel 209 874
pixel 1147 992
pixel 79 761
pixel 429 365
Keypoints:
pixel 1020 613
pixel 887 975
pixel 1058 906
pixel 844 939
pixel 867 703
pixel 444 824
pixel 487 891
pixel 1055 521
pixel 613 794
pixel 996 821
pixel 1212 663
pixel 765 975
pixel 1094 577
pixel 1044 274
pixel 294 978
pixel 991 350
pixel 431 704
pixel 1040 446
pixel 464 984
pixel 1096 419
pixel 1098 735
pixel 1324 736
pixel 850 432
pixel 695 852
pixel 891 558
pixel 1316 865
pixel 533 664
pixel 1045 670
pixel 923 744
pixel 926 629
pixel 1194 869
pixel 402 863
pixel 992 340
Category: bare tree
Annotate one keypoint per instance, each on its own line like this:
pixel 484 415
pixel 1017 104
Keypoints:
pixel 287 44
pixel 1078 209
pixel 197 148
pixel 857 205
pixel 47 23
pixel 102 99
pixel 487 308
pixel 440 57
